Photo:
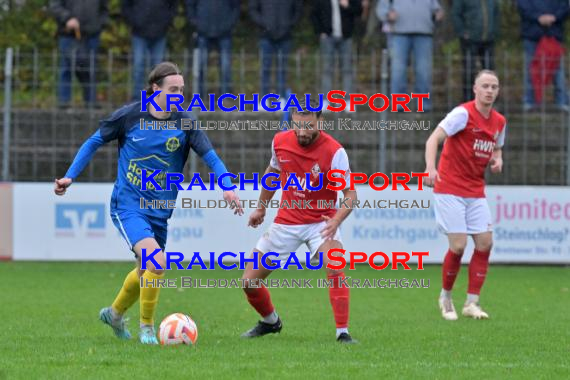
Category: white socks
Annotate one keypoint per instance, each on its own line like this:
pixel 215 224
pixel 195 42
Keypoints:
pixel 271 318
pixel 472 298
pixel 340 331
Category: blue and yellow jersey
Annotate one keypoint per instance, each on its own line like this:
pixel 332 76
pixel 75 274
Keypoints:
pixel 146 150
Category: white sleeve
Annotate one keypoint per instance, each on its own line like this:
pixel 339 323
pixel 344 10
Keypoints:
pixel 340 162
pixel 455 121
pixel 274 163
pixel 501 138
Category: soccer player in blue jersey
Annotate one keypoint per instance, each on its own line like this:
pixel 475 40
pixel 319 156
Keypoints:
pixel 145 150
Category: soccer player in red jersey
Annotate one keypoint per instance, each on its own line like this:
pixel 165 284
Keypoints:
pixel 304 149
pixel 474 134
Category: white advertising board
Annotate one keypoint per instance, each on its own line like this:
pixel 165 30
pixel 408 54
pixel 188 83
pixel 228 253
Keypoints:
pixel 531 225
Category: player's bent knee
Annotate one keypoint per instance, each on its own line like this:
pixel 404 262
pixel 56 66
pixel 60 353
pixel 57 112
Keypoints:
pixel 250 285
pixel 458 249
pixel 457 243
pixel 157 270
pixel 484 246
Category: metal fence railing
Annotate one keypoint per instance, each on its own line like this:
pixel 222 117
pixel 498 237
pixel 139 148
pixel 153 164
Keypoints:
pixel 43 138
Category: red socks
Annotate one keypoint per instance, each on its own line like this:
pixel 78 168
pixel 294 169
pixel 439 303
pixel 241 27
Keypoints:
pixel 339 296
pixel 478 271
pixel 260 299
pixel 450 269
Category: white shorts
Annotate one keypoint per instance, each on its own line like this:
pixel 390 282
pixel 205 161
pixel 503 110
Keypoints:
pixel 284 238
pixel 458 215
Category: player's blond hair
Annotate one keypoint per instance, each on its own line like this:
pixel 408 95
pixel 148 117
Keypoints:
pixel 485 71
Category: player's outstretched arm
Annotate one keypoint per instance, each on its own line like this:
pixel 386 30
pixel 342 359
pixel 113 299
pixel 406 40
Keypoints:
pixel 497 161
pixel 82 158
pixel 256 218
pixel 432 145
pixel 343 212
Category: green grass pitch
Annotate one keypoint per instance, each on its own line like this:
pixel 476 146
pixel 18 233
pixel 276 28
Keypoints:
pixel 50 328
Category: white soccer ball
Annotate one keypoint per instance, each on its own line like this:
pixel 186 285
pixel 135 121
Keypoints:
pixel 178 328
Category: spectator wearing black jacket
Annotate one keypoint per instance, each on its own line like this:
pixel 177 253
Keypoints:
pixel 334 23
pixel 79 24
pixel 476 24
pixel 149 21
pixel 276 19
pixel 214 21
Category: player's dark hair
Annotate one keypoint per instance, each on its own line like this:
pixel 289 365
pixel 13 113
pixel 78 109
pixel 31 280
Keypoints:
pixel 159 72
pixel 313 102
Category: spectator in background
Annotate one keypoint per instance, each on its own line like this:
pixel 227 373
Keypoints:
pixel 334 22
pixel 79 24
pixel 386 25
pixel 149 21
pixel 477 25
pixel 361 27
pixel 543 18
pixel 373 24
pixel 214 21
pixel 412 24
pixel 276 19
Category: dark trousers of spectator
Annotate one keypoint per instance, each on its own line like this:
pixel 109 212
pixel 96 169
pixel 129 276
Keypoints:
pixel 473 52
pixel 79 56
pixel 141 47
pixel 280 50
pixel 224 44
pixel 330 48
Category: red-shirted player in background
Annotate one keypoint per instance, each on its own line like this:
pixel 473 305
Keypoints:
pixel 300 151
pixel 474 134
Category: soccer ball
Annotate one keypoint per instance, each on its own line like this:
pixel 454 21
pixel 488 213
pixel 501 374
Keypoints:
pixel 178 328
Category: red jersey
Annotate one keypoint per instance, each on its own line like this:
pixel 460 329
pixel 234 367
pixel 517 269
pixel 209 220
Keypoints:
pixel 467 150
pixel 291 158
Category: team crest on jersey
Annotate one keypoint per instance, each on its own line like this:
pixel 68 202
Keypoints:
pixel 172 144
pixel 316 169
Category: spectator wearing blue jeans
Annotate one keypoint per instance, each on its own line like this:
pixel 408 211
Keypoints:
pixel 78 55
pixel 334 21
pixel 276 19
pixel 79 24
pixel 330 47
pixel 214 21
pixel 149 21
pixel 279 49
pixel 541 18
pixel 412 24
